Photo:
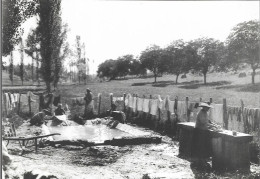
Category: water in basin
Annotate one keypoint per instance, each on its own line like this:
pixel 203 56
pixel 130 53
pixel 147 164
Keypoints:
pixel 91 133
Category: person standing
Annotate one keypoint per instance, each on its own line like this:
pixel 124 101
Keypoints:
pixel 89 106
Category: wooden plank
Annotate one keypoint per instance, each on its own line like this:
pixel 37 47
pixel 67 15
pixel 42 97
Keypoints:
pixel 29 138
pixel 225 117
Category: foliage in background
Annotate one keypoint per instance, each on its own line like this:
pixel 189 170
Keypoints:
pixel 179 57
pixel 208 55
pixel 15 12
pixel 22 58
pixel 11 68
pixel 50 30
pixel 244 45
pixel 151 60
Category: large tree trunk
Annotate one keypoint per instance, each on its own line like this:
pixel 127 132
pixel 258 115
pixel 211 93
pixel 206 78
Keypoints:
pixel 176 81
pixel 48 86
pixel 32 71
pixel 37 68
pixel 205 78
pixel 253 76
pixel 155 77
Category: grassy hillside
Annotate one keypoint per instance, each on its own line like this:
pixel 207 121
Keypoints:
pixel 219 86
pixel 16 80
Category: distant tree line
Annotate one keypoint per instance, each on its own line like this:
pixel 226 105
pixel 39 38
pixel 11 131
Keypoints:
pixel 201 56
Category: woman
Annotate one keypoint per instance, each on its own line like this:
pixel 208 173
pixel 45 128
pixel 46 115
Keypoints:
pixel 201 137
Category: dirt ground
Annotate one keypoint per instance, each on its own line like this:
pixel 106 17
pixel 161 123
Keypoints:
pixel 109 162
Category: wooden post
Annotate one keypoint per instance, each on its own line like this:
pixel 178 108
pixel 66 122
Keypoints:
pixel 29 103
pixel 136 112
pixel 19 104
pixel 187 109
pixel 242 111
pixel 52 98
pixel 175 105
pixel 99 103
pixel 36 145
pixel 111 99
pixel 124 101
pixel 225 119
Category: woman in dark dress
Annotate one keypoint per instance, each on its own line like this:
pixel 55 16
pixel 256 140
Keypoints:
pixel 201 137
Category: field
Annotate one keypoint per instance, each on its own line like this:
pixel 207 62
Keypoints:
pixel 218 86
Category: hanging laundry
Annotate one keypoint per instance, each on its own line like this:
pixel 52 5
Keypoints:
pixel 134 104
pixel 12 100
pixel 216 114
pixel 193 111
pixel 24 107
pixel 182 111
pixel 171 106
pixel 257 120
pixel 118 99
pixel 127 100
pixel 4 106
pixel 161 103
pixel 146 105
pixel 130 101
pixel 35 102
pixel 140 104
pixel 16 97
pixel 8 103
pixel 234 114
pixel 154 106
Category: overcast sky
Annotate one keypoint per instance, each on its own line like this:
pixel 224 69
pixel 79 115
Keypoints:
pixel 111 29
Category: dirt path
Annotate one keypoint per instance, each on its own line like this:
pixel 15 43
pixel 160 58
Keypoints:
pixel 108 162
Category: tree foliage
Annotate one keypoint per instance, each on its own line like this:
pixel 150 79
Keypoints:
pixel 243 45
pixel 208 51
pixel 151 60
pixel 50 30
pixel 107 69
pixel 15 12
pixel 11 68
pixel 179 57
pixel 22 58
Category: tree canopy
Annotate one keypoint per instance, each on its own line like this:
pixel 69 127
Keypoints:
pixel 151 60
pixel 208 51
pixel 15 12
pixel 243 45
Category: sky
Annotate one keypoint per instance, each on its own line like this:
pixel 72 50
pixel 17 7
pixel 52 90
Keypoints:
pixel 110 29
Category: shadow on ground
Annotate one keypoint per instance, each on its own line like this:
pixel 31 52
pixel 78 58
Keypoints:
pixel 163 83
pixel 255 88
pixel 198 85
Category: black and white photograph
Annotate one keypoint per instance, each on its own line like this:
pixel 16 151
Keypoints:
pixel 118 89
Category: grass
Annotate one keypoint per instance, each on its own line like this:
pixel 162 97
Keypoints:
pixel 218 87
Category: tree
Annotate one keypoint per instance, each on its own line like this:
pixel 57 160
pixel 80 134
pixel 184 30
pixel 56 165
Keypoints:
pixel 49 29
pixel 11 68
pixel 32 49
pixel 178 56
pixel 22 64
pixel 15 12
pixel 123 65
pixel 136 68
pixel 107 69
pixel 151 60
pixel 243 45
pixel 62 51
pixel 208 51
